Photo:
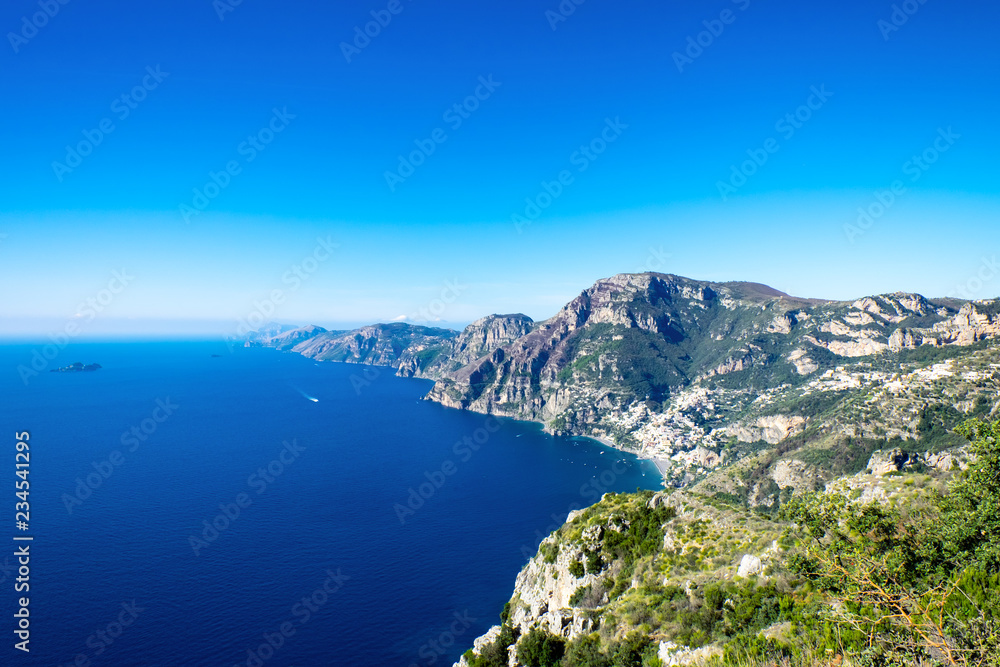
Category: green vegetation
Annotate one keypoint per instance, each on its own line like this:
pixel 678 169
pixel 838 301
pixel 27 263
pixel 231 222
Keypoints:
pixel 540 649
pixel 914 581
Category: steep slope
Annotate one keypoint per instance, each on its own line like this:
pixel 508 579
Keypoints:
pixel 735 388
pixel 406 347
pixel 676 578
pixel 289 339
pixel 644 338
pixel 413 350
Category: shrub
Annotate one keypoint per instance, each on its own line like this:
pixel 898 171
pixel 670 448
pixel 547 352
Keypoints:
pixel 594 562
pixel 540 649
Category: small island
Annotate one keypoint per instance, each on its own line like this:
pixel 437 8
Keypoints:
pixel 76 368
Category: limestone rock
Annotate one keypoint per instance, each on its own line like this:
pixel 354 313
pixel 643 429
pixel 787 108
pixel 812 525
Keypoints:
pixel 750 566
pixel 883 462
pixel 772 429
pixel 794 474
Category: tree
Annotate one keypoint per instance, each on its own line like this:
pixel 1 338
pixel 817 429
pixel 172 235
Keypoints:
pixel 585 652
pixel 907 586
pixel 540 649
pixel 971 510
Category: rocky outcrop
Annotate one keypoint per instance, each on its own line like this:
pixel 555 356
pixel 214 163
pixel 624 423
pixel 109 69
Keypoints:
pixel 486 335
pixel 905 339
pixel 804 365
pixel 794 474
pixel 289 339
pixel 974 322
pixel 771 429
pixel 884 462
pixel 671 367
pixel 412 350
pixel 859 347
pixel 750 566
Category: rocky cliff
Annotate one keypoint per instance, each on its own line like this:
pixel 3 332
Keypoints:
pixel 677 578
pixel 736 387
pixel 413 350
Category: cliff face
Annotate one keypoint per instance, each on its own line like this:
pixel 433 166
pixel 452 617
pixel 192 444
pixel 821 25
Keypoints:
pixel 289 339
pixel 414 351
pixel 645 337
pixel 585 357
pixel 591 578
pixel 714 381
pixel 485 335
pixel 684 576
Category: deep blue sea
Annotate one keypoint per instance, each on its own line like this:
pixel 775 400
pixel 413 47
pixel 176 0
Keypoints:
pixel 325 551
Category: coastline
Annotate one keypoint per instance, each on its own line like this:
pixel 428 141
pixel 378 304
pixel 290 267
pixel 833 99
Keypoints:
pixel 661 465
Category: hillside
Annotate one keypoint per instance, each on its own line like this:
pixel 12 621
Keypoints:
pixel 735 389
pixel 759 408
pixel 860 573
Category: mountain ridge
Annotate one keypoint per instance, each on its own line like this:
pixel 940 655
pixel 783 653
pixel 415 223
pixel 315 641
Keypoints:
pixel 706 377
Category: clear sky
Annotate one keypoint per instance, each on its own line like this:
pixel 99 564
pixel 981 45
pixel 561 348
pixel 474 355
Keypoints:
pixel 204 148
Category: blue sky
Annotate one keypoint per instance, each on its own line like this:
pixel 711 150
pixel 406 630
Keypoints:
pixel 300 142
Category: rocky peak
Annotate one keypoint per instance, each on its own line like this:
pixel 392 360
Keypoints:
pixel 487 334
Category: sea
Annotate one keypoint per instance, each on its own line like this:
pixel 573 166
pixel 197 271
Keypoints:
pixel 193 503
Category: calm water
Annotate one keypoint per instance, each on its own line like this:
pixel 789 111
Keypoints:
pixel 410 592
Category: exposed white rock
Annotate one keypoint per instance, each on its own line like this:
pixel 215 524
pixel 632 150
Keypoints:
pixel 794 473
pixel 904 339
pixel 781 324
pixel 803 364
pixel 772 429
pixel 857 319
pixel 672 654
pixel 883 462
pixel 750 566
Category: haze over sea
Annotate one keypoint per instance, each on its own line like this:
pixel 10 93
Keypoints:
pixel 357 448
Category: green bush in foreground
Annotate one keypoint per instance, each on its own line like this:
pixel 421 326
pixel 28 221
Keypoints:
pixel 540 649
pixel 913 587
